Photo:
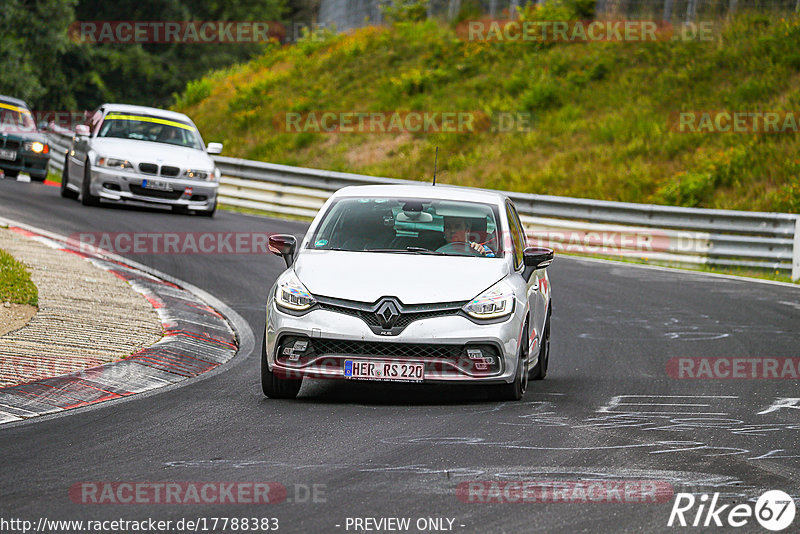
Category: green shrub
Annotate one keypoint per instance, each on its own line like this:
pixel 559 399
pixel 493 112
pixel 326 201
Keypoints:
pixel 542 95
pixel 195 92
pixel 406 11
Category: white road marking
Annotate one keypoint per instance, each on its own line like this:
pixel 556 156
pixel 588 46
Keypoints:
pixel 617 402
pixel 792 403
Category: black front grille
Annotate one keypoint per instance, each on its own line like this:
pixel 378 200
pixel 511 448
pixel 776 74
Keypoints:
pixel 170 171
pixel 12 144
pixel 170 195
pixel 388 350
pixel 148 168
pixel 479 359
pixel 408 318
pixel 366 316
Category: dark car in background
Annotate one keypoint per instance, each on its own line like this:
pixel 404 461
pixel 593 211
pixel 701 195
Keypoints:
pixel 22 147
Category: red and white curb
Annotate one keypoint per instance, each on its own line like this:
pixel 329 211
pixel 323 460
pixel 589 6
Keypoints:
pixel 197 339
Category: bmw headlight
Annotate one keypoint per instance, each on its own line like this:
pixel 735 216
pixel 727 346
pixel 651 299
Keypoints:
pixel 37 147
pixel 196 175
pixel 497 301
pixel 115 163
pixel 292 294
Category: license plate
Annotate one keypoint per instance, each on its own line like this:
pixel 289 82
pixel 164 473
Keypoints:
pixel 158 185
pixel 8 154
pixel 383 370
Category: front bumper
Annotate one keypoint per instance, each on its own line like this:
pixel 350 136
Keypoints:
pixel 445 345
pixel 110 184
pixel 27 162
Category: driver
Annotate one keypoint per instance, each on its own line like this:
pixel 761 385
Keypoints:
pixel 457 229
pixel 169 135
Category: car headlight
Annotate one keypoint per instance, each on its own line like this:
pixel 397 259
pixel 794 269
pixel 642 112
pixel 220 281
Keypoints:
pixel 37 147
pixel 196 175
pixel 292 295
pixel 497 301
pixel 115 163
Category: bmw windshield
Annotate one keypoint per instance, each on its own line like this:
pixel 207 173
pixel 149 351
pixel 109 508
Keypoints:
pixel 15 118
pixel 153 129
pixel 413 226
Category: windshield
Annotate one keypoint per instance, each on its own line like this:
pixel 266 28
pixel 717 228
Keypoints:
pixel 15 118
pixel 413 226
pixel 154 129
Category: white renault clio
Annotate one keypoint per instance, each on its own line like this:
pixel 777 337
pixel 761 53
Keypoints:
pixel 409 284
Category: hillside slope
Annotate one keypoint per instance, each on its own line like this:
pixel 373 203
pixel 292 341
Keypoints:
pixel 601 111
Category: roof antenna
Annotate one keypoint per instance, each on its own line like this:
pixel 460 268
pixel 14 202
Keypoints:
pixel 435 165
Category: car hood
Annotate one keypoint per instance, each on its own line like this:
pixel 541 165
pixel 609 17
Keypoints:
pixel 24 136
pixel 145 151
pixel 412 278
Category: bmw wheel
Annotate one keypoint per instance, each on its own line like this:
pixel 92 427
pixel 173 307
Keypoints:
pixel 65 191
pixel 87 198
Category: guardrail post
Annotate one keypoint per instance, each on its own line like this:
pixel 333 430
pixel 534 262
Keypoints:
pixel 796 252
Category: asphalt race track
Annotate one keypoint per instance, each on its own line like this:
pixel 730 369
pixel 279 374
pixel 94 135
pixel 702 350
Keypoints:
pixel 608 410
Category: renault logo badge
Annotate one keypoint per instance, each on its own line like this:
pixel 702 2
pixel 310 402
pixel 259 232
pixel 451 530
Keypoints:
pixel 387 314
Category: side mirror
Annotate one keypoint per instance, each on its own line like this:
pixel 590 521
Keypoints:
pixel 82 130
pixel 536 258
pixel 214 148
pixel 42 126
pixel 283 245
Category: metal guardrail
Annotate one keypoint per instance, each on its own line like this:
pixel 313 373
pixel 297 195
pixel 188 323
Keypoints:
pixel 683 236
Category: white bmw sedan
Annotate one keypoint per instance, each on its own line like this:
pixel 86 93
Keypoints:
pixel 409 284
pixel 135 153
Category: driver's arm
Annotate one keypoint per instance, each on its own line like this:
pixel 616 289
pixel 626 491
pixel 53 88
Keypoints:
pixel 483 250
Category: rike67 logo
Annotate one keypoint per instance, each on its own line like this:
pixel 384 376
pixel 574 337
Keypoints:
pixel 774 510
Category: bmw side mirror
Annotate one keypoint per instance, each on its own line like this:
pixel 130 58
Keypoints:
pixel 536 258
pixel 82 130
pixel 214 148
pixel 283 245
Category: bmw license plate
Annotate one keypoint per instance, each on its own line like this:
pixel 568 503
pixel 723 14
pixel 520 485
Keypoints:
pixel 157 185
pixel 8 154
pixel 384 370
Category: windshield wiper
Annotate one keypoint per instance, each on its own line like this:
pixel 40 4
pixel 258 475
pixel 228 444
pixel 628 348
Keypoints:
pixel 421 250
pixel 413 250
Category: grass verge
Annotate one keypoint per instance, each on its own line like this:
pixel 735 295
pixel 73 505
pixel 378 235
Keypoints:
pixel 601 111
pixel 16 285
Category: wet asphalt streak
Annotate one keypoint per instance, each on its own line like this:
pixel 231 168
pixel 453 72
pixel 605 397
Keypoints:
pixel 608 409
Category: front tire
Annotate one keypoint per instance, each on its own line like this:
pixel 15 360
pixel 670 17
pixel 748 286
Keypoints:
pixel 66 192
pixel 87 198
pixel 273 386
pixel 516 389
pixel 208 213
